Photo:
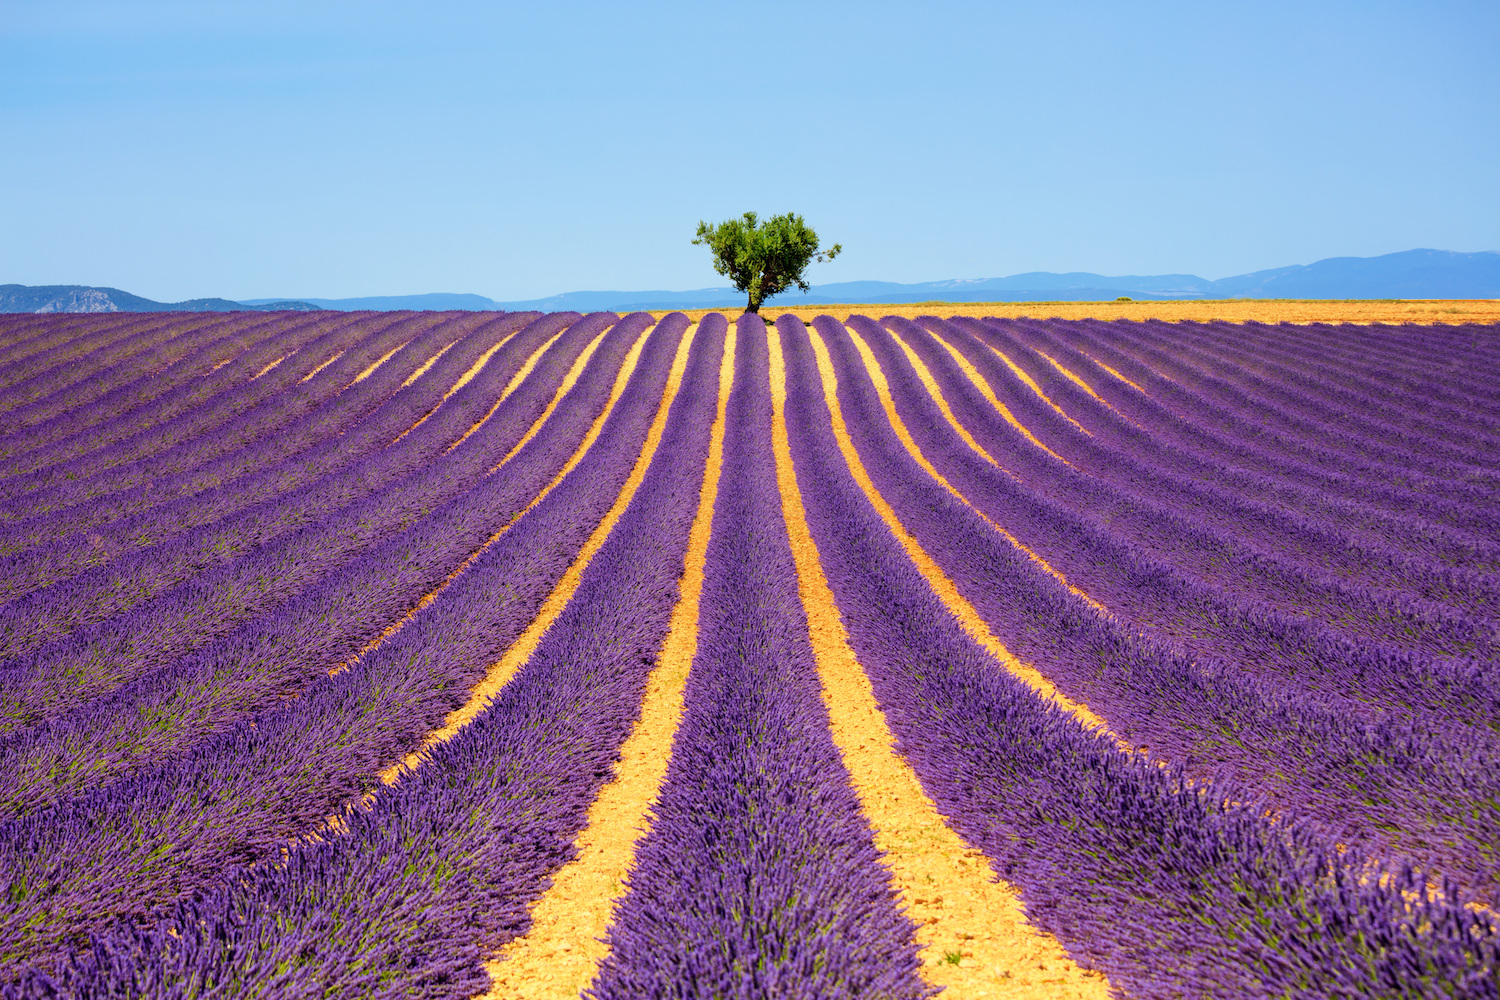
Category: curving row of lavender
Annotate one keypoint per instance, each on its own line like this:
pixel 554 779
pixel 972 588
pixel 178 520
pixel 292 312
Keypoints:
pixel 759 877
pixel 249 561
pixel 433 874
pixel 1205 896
pixel 1361 722
pixel 237 793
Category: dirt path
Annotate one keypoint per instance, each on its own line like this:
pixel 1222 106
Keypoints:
pixel 1117 375
pixel 558 958
pixel 975 939
pixel 563 388
pixel 426 364
pixel 378 362
pixel 925 374
pixel 1030 383
pixel 309 375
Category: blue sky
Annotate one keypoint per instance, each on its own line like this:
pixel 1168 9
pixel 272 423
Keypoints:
pixel 518 150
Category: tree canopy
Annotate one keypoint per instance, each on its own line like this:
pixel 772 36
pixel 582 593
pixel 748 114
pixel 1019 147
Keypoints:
pixel 763 259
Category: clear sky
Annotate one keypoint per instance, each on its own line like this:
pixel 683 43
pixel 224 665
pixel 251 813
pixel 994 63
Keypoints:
pixel 518 150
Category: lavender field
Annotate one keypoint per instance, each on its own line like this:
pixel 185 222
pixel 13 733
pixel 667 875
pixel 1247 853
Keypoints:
pixel 538 655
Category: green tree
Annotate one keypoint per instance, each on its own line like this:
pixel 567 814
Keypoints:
pixel 763 259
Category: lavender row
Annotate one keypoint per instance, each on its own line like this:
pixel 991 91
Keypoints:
pixel 1303 381
pixel 175 702
pixel 1169 888
pixel 202 415
pixel 225 355
pixel 1416 344
pixel 316 489
pixel 228 366
pixel 24 335
pixel 1229 400
pixel 1344 673
pixel 1385 786
pixel 439 871
pixel 1204 531
pixel 51 546
pixel 1057 520
pixel 1363 494
pixel 1441 373
pixel 42 375
pixel 132 383
pixel 352 420
pixel 1410 340
pixel 1205 534
pixel 1388 357
pixel 1370 505
pixel 333 436
pixel 1138 441
pixel 1312 472
pixel 71 335
pixel 1306 403
pixel 108 359
pixel 132 848
pixel 759 876
pixel 1421 368
pixel 1303 387
pixel 207 607
pixel 155 394
pixel 120 461
pixel 96 533
pixel 1442 514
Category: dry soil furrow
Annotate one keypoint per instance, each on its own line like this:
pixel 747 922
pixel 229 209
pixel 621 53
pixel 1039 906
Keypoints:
pixel 468 376
pixel 559 956
pixel 989 394
pixel 883 389
pixel 520 651
pixel 515 380
pixel 941 584
pixel 976 941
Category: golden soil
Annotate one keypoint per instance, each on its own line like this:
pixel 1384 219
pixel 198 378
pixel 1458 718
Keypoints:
pixel 974 937
pixel 1200 311
pixel 558 957
pixel 883 389
pixel 516 656
pixel 379 361
pixel 941 584
pixel 463 380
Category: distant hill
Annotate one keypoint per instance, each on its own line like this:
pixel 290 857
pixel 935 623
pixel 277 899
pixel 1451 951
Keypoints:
pixel 432 300
pixel 1412 274
pixel 87 299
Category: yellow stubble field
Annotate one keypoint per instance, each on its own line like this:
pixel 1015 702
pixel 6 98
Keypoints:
pixel 1393 311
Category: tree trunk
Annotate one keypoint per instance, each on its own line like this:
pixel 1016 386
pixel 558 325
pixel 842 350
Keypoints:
pixel 753 306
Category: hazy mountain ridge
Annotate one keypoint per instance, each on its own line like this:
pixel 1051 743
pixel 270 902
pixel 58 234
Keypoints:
pixel 1411 274
pixel 88 299
pixel 436 301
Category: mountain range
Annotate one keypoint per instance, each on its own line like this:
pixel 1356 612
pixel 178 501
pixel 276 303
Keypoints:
pixel 1412 274
pixel 88 299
